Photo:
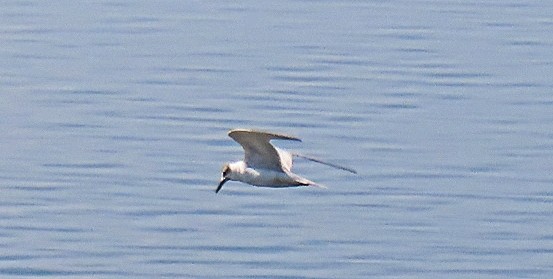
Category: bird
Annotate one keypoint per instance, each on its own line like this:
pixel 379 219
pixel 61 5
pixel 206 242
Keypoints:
pixel 265 165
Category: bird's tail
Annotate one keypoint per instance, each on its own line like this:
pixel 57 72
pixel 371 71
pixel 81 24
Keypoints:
pixel 317 185
pixel 306 182
pixel 302 181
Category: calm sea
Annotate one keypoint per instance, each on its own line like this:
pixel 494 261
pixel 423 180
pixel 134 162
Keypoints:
pixel 113 121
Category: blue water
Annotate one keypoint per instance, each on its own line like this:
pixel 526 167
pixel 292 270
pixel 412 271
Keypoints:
pixel 114 117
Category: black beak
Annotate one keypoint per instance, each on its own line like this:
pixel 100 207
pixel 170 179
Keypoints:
pixel 223 180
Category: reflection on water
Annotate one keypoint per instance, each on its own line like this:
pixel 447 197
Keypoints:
pixel 114 131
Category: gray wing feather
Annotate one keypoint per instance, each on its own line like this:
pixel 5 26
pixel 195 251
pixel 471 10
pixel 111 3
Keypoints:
pixel 325 163
pixel 259 152
pixel 285 159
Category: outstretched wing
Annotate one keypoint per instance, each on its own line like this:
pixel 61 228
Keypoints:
pixel 324 162
pixel 259 152
pixel 285 159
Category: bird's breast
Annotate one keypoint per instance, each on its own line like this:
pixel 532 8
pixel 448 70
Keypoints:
pixel 270 178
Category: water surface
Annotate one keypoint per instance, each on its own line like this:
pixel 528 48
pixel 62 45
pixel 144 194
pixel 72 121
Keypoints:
pixel 114 119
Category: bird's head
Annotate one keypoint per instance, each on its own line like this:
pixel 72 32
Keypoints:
pixel 225 173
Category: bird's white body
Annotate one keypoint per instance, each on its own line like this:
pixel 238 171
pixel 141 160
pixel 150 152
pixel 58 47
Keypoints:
pixel 265 177
pixel 265 165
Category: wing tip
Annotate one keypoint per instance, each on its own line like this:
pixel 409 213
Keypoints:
pixel 324 162
pixel 276 135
